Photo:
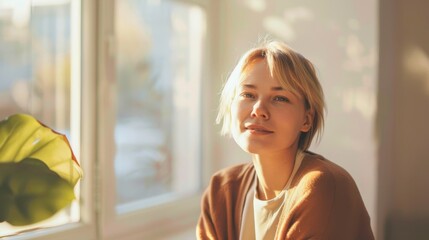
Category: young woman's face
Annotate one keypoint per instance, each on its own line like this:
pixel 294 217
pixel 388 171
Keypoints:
pixel 267 119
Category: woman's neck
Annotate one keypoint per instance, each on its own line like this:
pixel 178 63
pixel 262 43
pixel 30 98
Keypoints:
pixel 273 172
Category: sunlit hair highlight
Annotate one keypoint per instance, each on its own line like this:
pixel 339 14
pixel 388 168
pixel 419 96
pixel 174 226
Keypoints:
pixel 294 72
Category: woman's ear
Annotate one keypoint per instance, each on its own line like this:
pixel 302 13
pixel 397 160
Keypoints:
pixel 308 121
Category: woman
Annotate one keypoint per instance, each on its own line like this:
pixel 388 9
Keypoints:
pixel 273 106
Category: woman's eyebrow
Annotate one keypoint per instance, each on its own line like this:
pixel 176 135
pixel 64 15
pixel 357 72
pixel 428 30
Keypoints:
pixel 251 86
pixel 278 89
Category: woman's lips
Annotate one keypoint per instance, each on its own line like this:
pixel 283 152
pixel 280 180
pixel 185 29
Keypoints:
pixel 257 129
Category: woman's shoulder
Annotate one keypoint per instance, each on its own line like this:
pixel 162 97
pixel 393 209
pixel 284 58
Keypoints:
pixel 317 171
pixel 325 197
pixel 230 183
pixel 313 162
pixel 234 174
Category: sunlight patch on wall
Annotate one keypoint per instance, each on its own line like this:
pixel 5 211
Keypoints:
pixel 416 62
pixel 361 100
pixel 279 27
pixel 256 5
pixel 353 24
pixel 297 14
pixel 283 27
pixel 358 58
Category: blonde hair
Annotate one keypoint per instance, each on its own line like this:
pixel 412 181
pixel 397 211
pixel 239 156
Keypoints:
pixel 294 72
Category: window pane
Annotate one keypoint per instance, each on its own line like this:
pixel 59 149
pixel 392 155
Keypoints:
pixel 35 73
pixel 158 103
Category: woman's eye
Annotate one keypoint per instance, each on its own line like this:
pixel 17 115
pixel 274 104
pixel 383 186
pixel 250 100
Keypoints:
pixel 281 99
pixel 247 95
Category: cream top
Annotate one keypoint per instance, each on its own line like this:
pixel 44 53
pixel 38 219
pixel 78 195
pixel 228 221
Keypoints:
pixel 260 217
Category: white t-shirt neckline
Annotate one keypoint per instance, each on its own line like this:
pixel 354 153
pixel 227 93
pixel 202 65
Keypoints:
pixel 260 217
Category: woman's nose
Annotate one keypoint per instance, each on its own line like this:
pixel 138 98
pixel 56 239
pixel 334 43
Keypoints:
pixel 260 111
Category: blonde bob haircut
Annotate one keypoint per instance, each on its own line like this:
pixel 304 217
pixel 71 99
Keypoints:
pixel 294 72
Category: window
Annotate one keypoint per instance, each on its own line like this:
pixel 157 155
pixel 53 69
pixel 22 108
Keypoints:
pixel 122 79
pixel 155 115
pixel 36 75
pixel 158 78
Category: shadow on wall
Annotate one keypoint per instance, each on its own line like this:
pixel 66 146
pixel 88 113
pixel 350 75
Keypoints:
pixel 403 117
pixel 410 218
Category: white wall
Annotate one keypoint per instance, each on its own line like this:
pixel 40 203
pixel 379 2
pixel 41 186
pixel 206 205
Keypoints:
pixel 340 38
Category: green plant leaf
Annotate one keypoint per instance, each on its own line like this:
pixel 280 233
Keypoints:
pixel 30 192
pixel 38 171
pixel 22 136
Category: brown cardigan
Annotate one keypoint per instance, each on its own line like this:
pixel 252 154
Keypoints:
pixel 323 202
